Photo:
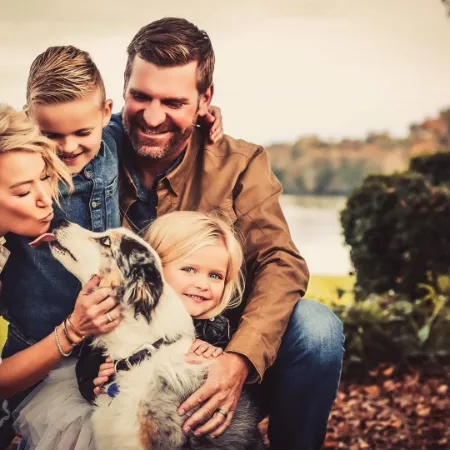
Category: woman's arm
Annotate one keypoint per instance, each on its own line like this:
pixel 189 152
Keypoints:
pixel 29 366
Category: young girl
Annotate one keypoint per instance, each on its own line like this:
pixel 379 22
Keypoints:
pixel 29 173
pixel 202 261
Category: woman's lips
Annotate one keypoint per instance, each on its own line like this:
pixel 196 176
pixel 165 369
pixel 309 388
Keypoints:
pixel 48 217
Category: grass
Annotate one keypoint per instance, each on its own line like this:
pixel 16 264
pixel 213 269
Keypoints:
pixel 3 330
pixel 326 288
pixel 331 289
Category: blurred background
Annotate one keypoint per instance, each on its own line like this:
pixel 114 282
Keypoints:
pixel 331 88
pixel 343 94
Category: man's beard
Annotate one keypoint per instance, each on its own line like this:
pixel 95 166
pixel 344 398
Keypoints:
pixel 153 148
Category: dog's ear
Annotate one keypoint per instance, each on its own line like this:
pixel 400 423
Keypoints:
pixel 143 282
pixel 145 288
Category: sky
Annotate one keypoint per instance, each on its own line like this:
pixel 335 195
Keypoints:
pixel 285 68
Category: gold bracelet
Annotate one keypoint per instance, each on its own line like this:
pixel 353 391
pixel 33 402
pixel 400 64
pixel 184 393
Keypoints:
pixel 74 328
pixel 58 344
pixel 66 334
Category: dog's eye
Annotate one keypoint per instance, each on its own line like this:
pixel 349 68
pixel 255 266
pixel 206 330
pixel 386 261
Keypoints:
pixel 105 241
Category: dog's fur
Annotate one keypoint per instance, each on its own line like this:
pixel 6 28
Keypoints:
pixel 144 413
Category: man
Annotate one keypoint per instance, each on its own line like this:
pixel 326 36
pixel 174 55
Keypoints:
pixel 292 348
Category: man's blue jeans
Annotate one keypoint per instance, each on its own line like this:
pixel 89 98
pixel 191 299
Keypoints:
pixel 300 388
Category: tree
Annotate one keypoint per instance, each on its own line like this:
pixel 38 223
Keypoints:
pixel 435 167
pixel 397 228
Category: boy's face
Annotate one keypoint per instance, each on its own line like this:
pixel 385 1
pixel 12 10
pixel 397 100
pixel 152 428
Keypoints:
pixel 76 126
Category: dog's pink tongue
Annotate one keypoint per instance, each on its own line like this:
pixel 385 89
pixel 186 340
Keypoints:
pixel 46 237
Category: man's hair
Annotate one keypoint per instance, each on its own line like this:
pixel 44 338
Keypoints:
pixel 176 235
pixel 62 74
pixel 173 42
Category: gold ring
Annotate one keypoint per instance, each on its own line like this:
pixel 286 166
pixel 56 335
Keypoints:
pixel 108 315
pixel 221 411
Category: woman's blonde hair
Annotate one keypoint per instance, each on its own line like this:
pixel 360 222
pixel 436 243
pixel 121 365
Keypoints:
pixel 178 234
pixel 18 133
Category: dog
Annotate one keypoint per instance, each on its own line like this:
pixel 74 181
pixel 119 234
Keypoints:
pixel 149 344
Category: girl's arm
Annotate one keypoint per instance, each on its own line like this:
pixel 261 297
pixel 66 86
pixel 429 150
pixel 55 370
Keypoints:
pixel 26 368
pixel 89 361
pixel 202 348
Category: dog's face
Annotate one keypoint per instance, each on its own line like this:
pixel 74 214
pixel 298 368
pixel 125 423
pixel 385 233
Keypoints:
pixel 118 256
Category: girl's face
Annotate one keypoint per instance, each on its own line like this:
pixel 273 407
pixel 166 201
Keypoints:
pixel 199 279
pixel 25 194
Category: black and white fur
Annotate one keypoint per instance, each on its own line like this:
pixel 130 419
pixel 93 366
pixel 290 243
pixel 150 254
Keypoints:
pixel 144 413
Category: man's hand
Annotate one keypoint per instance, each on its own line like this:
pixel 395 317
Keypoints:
pixel 221 390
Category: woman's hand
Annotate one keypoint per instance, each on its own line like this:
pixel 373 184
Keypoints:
pixel 202 348
pixel 212 121
pixel 96 310
pixel 104 372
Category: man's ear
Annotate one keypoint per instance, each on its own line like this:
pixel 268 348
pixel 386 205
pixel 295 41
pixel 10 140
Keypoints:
pixel 107 111
pixel 205 101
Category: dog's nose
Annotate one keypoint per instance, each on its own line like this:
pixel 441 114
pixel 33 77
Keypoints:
pixel 62 223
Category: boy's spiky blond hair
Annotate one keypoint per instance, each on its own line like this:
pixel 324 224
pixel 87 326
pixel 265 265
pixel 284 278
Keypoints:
pixel 61 74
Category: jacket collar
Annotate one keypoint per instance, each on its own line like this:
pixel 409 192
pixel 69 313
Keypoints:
pixel 176 177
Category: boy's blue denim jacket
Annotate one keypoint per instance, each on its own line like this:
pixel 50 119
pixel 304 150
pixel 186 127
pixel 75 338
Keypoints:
pixel 38 292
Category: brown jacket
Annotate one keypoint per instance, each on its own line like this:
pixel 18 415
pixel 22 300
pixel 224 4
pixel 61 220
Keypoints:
pixel 234 176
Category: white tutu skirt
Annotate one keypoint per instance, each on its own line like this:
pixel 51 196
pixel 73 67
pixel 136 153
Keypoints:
pixel 55 416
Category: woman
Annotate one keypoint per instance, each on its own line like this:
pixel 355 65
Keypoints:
pixel 29 176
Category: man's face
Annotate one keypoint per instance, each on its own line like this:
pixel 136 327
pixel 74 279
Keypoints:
pixel 161 108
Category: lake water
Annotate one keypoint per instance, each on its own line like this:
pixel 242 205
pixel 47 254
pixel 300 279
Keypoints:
pixel 316 231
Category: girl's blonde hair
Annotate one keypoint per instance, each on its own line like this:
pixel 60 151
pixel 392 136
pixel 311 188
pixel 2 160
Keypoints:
pixel 178 234
pixel 18 133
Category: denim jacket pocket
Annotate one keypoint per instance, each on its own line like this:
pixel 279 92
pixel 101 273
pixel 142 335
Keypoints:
pixel 15 342
pixel 112 204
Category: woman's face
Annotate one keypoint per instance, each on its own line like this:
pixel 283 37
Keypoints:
pixel 25 194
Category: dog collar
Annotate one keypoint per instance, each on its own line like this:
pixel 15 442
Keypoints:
pixel 144 352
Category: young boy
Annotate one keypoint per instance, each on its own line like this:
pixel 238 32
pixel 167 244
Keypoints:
pixel 66 98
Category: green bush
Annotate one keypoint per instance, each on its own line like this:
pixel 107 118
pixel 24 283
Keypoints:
pixel 435 167
pixel 398 229
pixel 391 328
